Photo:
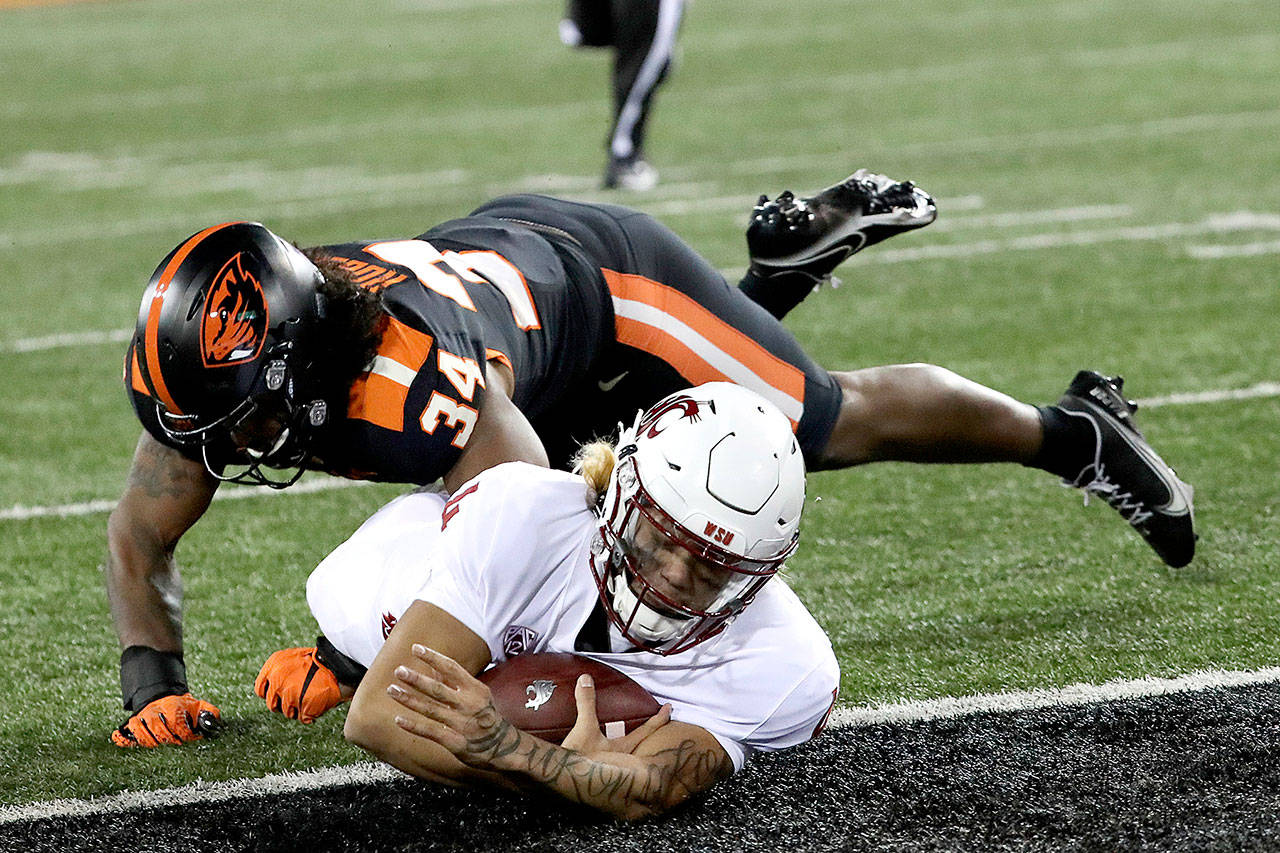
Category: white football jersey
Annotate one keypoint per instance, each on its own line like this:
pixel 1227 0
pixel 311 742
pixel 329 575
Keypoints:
pixel 508 557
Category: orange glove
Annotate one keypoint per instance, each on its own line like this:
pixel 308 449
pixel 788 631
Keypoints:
pixel 295 683
pixel 171 720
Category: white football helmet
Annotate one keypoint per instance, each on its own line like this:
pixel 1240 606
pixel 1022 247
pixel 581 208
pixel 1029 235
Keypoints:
pixel 713 471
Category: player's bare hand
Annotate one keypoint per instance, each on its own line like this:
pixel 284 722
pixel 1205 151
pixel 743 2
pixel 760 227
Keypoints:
pixel 586 737
pixel 451 708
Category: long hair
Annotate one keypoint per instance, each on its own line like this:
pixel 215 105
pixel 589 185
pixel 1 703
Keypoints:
pixel 354 322
pixel 595 461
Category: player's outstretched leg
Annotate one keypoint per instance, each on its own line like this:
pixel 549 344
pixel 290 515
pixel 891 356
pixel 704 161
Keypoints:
pixel 1126 472
pixel 795 243
pixel 926 413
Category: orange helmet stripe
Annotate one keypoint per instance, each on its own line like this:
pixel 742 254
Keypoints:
pixel 153 316
pixel 133 373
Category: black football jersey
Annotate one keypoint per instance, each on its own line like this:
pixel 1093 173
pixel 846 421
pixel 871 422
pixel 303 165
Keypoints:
pixel 465 292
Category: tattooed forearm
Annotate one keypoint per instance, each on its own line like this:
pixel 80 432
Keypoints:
pixel 642 786
pixel 686 769
pixel 500 739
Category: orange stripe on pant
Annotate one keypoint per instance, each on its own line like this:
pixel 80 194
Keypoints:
pixel 666 323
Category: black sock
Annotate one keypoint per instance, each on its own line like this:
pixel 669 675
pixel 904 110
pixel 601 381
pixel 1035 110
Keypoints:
pixel 777 294
pixel 1069 443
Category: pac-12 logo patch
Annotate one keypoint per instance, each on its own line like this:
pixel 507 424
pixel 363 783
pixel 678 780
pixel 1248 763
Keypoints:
pixel 517 640
pixel 234 324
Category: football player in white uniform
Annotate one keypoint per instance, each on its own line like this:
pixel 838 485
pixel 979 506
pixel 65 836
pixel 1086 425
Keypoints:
pixel 658 559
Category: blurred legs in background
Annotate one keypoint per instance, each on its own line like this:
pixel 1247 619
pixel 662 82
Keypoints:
pixel 642 34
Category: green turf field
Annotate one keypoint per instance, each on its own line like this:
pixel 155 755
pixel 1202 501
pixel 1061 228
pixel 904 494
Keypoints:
pixel 1106 172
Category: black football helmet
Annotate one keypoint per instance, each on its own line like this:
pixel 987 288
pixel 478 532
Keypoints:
pixel 229 325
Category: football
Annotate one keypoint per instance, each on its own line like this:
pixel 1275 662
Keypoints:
pixel 535 693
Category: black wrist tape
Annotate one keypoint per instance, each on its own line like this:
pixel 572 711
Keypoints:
pixel 146 674
pixel 346 670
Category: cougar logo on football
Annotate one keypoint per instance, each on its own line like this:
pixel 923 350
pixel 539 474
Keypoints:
pixel 234 325
pixel 539 692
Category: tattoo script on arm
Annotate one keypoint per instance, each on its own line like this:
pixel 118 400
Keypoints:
pixel 636 787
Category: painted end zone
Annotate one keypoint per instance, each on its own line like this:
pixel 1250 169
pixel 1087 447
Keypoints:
pixel 886 718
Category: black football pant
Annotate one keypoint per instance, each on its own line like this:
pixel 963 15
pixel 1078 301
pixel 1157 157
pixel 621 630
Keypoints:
pixel 677 323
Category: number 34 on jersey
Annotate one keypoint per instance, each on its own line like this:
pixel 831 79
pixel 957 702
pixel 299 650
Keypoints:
pixel 443 273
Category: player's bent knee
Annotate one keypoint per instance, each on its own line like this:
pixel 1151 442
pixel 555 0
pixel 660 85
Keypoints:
pixel 878 404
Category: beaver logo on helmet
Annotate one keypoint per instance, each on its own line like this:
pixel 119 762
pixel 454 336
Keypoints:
pixel 234 325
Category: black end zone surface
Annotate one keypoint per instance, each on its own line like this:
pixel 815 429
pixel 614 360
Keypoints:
pixel 1191 771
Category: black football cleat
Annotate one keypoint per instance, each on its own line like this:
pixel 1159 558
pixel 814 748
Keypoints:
pixel 1127 473
pixel 814 235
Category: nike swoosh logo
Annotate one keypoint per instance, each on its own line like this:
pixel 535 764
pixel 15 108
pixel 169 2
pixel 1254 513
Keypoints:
pixel 850 229
pixel 608 386
pixel 1178 503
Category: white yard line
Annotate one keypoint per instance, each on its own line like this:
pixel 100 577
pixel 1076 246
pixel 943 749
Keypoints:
pixel 1262 389
pixel 21 512
pixel 1216 224
pixel 63 341
pixel 205 792
pixel 1025 700
pixel 368 773
pixel 1245 250
pixel 1018 218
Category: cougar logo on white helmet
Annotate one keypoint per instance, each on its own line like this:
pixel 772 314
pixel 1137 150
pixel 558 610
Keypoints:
pixel 702 508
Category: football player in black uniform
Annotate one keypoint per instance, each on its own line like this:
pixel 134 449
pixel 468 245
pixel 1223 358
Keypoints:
pixel 517 333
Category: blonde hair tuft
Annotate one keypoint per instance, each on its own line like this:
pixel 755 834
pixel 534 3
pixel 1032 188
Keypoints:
pixel 595 461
